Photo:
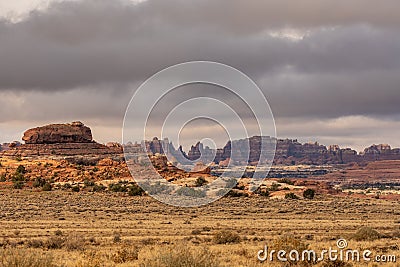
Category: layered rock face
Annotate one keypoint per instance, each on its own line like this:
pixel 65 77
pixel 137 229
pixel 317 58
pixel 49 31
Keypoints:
pixel 70 141
pixel 381 152
pixel 74 132
pixel 288 152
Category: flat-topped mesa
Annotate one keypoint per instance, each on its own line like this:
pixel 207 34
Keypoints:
pixel 75 132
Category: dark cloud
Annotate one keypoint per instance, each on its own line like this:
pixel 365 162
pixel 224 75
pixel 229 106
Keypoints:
pixel 88 42
pixel 314 60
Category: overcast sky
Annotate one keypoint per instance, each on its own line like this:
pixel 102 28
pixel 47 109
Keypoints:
pixel 329 68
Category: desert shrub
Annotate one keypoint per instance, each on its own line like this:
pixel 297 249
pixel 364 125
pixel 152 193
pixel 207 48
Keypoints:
pixel 309 193
pixel 125 254
pixel 19 174
pixel 286 181
pixel 180 255
pixel 3 178
pixel 58 232
pixel 48 164
pixel 200 181
pixel 274 187
pixel 75 188
pixel 190 192
pixel 18 184
pixel 35 243
pixel 39 182
pixel 135 190
pixel 196 232
pixel 47 187
pixel 118 187
pixel 20 169
pixel 155 188
pixel 291 196
pixel 366 234
pixel 117 238
pixel 262 192
pixel 54 242
pixel 98 188
pixel 225 237
pixel 18 177
pixel 236 193
pixel 88 182
pixel 25 258
pixel 67 186
pixel 93 258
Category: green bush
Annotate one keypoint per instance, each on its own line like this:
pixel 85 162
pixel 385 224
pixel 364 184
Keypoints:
pixel 135 190
pixel 21 169
pixel 156 188
pixel 309 193
pixel 48 164
pixel 18 184
pixel 3 178
pixel 200 181
pixel 262 192
pixel 98 188
pixel 18 177
pixel 39 182
pixel 118 187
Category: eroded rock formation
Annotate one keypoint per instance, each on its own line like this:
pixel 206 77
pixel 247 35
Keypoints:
pixel 72 141
pixel 74 132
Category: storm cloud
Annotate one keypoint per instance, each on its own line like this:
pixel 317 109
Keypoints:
pixel 316 61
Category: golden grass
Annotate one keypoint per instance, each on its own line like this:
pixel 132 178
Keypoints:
pixel 84 226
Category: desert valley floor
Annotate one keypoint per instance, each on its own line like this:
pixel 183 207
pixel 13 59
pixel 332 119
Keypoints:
pixel 113 229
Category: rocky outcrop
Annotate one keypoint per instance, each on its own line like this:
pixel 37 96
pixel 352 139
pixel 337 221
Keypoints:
pixel 74 132
pixel 74 140
pixel 71 141
pixel 380 152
